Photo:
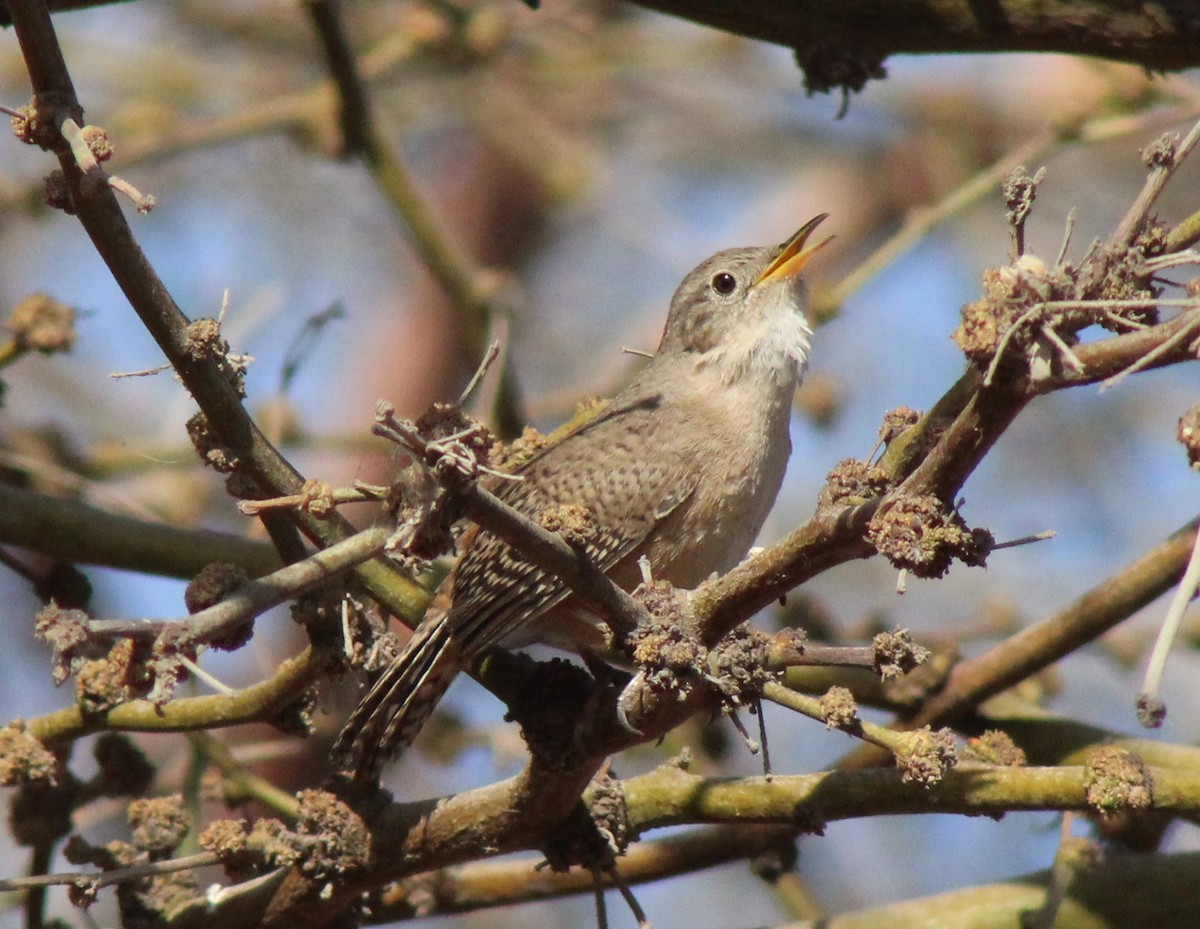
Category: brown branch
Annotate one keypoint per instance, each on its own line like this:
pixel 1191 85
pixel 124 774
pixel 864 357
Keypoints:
pixel 1113 29
pixel 256 597
pixel 1160 172
pixel 976 417
pixel 98 880
pixel 547 550
pixel 1039 646
pixel 487 884
pixel 357 133
pixel 1144 350
pixel 516 814
pixel 203 374
pixel 843 42
pixel 831 537
pixel 77 532
pixel 785 651
pixel 479 295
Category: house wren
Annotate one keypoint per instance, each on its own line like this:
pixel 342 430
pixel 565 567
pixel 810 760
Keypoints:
pixel 682 467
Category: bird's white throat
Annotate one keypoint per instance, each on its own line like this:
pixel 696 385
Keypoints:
pixel 772 347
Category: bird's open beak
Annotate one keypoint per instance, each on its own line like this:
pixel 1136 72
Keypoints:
pixel 794 255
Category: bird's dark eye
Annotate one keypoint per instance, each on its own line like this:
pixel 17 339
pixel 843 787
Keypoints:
pixel 724 283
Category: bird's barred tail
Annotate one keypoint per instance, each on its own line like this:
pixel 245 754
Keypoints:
pixel 398 704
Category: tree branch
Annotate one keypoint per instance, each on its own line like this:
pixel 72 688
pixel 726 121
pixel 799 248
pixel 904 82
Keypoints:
pixel 486 884
pixel 479 295
pixel 78 532
pixel 204 373
pixel 842 44
pixel 253 598
pixel 1040 645
pixel 413 837
pixel 257 703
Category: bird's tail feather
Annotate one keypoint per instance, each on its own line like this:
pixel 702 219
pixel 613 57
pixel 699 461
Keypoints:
pixel 399 703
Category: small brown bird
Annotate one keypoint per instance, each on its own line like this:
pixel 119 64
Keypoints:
pixel 682 466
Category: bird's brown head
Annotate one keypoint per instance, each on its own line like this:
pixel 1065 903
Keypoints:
pixel 743 308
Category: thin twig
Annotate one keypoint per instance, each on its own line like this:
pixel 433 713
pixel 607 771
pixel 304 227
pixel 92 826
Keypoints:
pixel 201 674
pixel 336 496
pixel 1122 324
pixel 921 221
pixel 762 738
pixel 1155 182
pixel 143 202
pixel 630 900
pixel 255 597
pixel 1188 585
pixel 477 293
pixel 1065 351
pixel 107 878
pixel 489 358
pixel 1149 303
pixel 302 345
pixel 1108 357
pixel 1040 645
pixel 598 896
pixel 1068 231
pixel 1172 260
pixel 1155 353
pixel 1024 540
pixel 889 739
pixel 545 549
pixel 145 372
pixel 1006 339
pixel 752 746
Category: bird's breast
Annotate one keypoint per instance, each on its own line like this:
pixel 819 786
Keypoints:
pixel 741 453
